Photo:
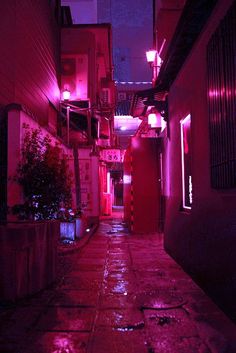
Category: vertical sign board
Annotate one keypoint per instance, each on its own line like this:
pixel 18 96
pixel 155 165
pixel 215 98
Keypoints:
pixel 85 183
pixel 187 195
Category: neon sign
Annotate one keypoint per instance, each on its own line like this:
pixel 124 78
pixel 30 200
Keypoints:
pixel 187 187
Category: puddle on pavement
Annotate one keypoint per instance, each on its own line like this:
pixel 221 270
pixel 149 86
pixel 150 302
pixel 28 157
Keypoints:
pixel 67 242
pixel 120 287
pixel 112 232
pixel 160 301
pixel 137 326
pixel 163 320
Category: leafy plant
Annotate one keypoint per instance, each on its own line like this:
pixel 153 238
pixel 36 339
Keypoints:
pixel 68 214
pixel 44 176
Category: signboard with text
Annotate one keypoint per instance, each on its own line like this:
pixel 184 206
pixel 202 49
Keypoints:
pixel 112 155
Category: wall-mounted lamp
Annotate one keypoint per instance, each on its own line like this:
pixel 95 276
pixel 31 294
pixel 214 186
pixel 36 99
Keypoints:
pixel 66 95
pixel 155 61
pixel 66 98
pixel 160 106
pixel 151 56
pixel 156 120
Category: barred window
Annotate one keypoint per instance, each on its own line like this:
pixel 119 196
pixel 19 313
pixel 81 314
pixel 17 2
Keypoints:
pixel 221 69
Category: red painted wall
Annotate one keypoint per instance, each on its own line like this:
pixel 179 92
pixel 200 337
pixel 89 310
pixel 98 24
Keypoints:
pixel 29 61
pixel 202 240
pixel 141 198
pixel 127 185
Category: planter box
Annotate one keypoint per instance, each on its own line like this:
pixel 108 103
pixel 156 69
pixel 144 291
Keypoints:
pixel 28 261
pixel 67 230
pixel 73 230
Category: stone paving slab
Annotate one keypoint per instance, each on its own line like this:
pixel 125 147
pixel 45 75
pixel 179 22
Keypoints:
pixel 117 293
pixel 112 341
pixel 119 318
pixel 74 298
pixel 115 301
pixel 58 342
pixel 66 319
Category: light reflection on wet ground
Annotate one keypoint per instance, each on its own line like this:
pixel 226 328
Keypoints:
pixel 120 294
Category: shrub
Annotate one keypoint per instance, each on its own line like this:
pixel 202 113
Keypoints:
pixel 44 176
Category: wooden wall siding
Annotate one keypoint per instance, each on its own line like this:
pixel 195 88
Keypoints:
pixel 3 166
pixel 29 60
pixel 221 54
pixel 7 56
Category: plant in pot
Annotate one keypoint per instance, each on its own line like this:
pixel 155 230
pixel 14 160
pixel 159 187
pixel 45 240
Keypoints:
pixel 72 223
pixel 45 179
pixel 44 176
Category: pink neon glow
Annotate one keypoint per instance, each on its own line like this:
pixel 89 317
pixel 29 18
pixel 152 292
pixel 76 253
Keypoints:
pixel 108 182
pixel 150 55
pixel 184 151
pixel 64 344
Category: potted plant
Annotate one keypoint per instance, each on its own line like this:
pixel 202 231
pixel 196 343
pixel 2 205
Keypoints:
pixel 44 177
pixel 72 225
pixel 46 182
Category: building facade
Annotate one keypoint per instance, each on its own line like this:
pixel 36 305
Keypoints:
pixel 29 72
pixel 197 156
pixel 199 159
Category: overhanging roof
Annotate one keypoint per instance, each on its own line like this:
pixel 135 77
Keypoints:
pixel 142 99
pixel 194 16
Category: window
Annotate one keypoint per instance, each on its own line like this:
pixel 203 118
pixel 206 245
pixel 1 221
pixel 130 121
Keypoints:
pixel 187 195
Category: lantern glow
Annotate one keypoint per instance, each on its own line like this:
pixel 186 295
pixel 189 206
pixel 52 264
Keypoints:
pixel 151 55
pixel 154 119
pixel 66 95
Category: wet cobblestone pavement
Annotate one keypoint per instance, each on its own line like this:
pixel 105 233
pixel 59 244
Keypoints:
pixel 120 293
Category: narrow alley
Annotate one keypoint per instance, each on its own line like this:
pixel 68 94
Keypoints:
pixel 118 293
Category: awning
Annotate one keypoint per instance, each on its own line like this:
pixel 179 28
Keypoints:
pixel 152 97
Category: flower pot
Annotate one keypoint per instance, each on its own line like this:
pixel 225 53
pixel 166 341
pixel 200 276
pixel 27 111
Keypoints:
pixel 68 230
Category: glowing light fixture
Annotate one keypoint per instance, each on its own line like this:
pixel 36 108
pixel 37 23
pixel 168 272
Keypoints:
pixel 66 95
pixel 123 128
pixel 187 187
pixel 155 120
pixel 154 59
pixel 151 55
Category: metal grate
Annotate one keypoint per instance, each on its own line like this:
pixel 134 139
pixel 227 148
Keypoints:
pixel 221 68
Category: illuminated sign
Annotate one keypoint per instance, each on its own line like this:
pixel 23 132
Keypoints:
pixel 112 155
pixel 187 188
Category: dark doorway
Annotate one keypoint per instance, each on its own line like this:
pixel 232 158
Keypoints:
pixel 117 180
